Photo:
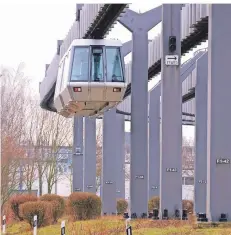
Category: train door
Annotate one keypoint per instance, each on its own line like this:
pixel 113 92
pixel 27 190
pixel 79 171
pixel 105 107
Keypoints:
pixel 97 77
pixel 115 80
pixel 79 77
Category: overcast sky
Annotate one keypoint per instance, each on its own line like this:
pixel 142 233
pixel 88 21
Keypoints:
pixel 29 32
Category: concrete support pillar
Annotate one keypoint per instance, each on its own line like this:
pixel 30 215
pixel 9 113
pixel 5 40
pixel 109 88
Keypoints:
pixel 120 157
pixel 108 182
pixel 139 125
pixel 219 113
pixel 154 108
pixel 90 155
pixel 77 159
pixel 154 142
pixel 139 25
pixel 200 173
pixel 171 113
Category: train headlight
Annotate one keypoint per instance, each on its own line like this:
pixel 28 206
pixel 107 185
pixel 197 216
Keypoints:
pixel 116 89
pixel 77 89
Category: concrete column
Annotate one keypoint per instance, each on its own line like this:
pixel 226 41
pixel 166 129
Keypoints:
pixel 219 112
pixel 154 109
pixel 139 125
pixel 139 25
pixel 90 155
pixel 77 159
pixel 171 124
pixel 154 142
pixel 108 183
pixel 120 157
pixel 200 173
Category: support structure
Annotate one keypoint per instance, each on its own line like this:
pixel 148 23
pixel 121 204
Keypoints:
pixel 154 129
pixel 108 179
pixel 154 143
pixel 200 169
pixel 90 155
pixel 219 113
pixel 120 157
pixel 77 159
pixel 171 111
pixel 139 25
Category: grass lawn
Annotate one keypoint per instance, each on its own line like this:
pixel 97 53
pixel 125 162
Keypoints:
pixel 116 226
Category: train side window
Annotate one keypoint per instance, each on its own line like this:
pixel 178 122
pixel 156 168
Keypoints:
pixel 114 65
pixel 59 78
pixel 80 65
pixel 97 64
pixel 65 72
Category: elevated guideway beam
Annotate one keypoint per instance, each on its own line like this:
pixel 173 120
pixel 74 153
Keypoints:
pixel 194 31
pixel 186 69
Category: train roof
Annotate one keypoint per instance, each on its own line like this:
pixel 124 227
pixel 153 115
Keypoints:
pixel 96 42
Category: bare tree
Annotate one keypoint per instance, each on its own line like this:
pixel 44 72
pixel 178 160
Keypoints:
pixel 29 169
pixel 10 162
pixel 41 165
pixel 13 99
pixel 127 162
pixel 29 126
pixel 13 86
pixel 36 126
pixel 99 145
pixel 188 157
pixel 47 132
pixel 69 176
pixel 58 133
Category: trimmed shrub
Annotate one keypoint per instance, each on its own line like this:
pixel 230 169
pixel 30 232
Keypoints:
pixel 17 200
pixel 68 209
pixel 42 209
pixel 188 205
pixel 122 206
pixel 58 205
pixel 154 202
pixel 84 206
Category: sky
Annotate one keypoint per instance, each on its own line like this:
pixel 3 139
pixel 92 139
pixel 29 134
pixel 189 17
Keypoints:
pixel 29 32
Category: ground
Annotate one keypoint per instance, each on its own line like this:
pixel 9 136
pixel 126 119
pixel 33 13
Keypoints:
pixel 116 226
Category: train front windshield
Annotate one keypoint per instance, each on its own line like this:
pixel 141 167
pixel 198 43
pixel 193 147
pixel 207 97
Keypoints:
pixel 114 65
pixel 97 65
pixel 95 55
pixel 80 65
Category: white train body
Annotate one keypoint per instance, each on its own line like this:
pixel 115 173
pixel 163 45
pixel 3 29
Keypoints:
pixel 90 78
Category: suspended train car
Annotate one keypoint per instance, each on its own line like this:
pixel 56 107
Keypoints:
pixel 90 78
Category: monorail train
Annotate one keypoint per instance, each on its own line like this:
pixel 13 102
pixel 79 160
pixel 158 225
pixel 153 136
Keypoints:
pixel 90 78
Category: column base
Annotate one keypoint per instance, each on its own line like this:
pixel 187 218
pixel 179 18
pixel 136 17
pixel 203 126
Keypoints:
pixel 135 216
pixel 202 217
